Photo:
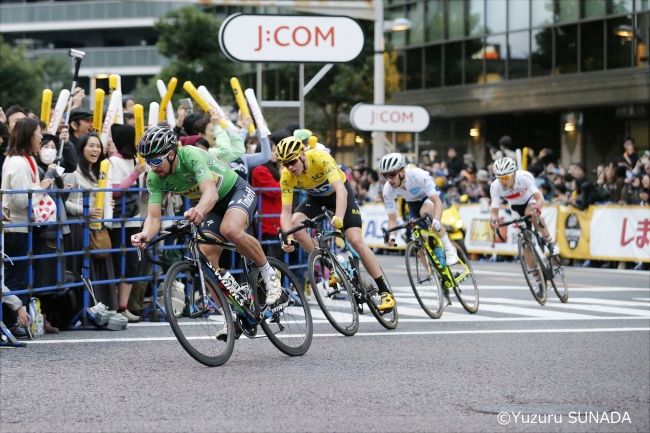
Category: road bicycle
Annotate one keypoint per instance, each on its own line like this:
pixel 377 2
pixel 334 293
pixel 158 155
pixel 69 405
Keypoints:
pixel 287 323
pixel 340 283
pixel 429 278
pixel 531 245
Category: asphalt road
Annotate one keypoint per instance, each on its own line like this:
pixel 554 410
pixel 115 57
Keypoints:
pixel 513 356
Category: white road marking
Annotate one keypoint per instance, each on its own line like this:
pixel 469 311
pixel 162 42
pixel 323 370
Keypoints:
pixel 606 302
pixel 370 334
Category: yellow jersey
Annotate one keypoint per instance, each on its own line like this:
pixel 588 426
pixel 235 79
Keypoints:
pixel 322 170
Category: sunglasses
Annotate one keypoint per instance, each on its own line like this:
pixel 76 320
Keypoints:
pixel 155 162
pixel 504 177
pixel 390 175
pixel 290 163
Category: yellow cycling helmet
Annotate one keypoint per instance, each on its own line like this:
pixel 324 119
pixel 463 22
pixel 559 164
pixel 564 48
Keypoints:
pixel 289 149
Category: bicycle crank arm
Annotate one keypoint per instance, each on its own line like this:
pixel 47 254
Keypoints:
pixel 199 313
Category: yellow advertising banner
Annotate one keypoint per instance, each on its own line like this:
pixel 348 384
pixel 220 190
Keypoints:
pixel 574 232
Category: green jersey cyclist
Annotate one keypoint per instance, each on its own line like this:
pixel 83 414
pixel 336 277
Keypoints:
pixel 223 203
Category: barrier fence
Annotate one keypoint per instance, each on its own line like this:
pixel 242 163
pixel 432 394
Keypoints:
pixel 57 255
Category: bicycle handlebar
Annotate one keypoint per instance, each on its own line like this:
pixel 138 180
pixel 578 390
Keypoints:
pixel 525 218
pixel 408 224
pixel 307 223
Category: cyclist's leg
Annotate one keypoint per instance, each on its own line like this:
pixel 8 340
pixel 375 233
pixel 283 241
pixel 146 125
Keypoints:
pixel 530 209
pixel 450 251
pixel 310 208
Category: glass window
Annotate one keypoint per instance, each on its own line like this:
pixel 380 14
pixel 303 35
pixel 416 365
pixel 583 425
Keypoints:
pixel 591 46
pixel 496 16
pixel 643 34
pixel 473 61
pixel 621 6
pixel 542 12
pixel 566 49
pixel 453 64
pixel 567 10
pixel 456 19
pixel 595 8
pixel 542 51
pixel 641 5
pixel 399 64
pixel 619 43
pixel 435 27
pixel 432 66
pixel 415 13
pixel 476 17
pixel 518 15
pixel 413 69
pixel 495 58
pixel 518 54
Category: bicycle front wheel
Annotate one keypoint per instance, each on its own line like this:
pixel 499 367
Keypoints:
pixel 198 333
pixel 424 280
pixel 333 292
pixel 531 264
pixel 387 318
pixel 465 285
pixel 288 322
pixel 559 280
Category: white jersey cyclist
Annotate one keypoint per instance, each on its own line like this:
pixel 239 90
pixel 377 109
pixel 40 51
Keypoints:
pixel 418 186
pixel 519 194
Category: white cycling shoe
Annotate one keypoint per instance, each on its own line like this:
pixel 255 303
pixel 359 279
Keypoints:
pixel 273 289
pixel 451 255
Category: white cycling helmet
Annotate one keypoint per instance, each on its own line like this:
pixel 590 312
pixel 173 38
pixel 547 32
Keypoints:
pixel 504 166
pixel 392 162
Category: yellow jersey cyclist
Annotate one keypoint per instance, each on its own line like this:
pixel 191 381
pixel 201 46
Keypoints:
pixel 520 191
pixel 223 203
pixel 316 172
pixel 419 191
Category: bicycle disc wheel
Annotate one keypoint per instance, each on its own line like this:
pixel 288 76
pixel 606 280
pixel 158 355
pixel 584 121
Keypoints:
pixel 465 285
pixel 388 318
pixel 559 280
pixel 424 280
pixel 534 274
pixel 198 335
pixel 336 301
pixel 288 323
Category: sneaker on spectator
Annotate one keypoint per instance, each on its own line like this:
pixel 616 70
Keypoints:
pixel 19 332
pixel 132 317
pixel 48 328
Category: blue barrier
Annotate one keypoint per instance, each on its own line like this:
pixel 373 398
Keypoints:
pixel 118 223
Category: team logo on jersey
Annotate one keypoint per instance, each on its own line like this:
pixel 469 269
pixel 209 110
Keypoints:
pixel 194 162
pixel 325 163
pixel 191 179
pixel 200 172
pixel 415 190
pixel 318 176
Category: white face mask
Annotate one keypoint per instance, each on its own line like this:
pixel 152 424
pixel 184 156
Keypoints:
pixel 48 155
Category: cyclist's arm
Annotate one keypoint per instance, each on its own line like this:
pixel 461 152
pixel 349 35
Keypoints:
pixel 341 198
pixel 495 197
pixel 392 220
pixel 152 223
pixel 437 206
pixel 209 196
pixel 285 217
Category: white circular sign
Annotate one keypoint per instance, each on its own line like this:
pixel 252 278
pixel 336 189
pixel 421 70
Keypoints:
pixel 290 38
pixel 389 118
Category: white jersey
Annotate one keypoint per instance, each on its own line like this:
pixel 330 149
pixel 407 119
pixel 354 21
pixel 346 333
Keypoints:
pixel 418 186
pixel 519 194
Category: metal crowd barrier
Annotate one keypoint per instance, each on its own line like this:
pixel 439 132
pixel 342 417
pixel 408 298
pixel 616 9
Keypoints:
pixel 81 321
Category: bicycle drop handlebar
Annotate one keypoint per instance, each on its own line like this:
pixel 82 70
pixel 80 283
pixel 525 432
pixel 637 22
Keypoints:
pixel 409 224
pixel 525 218
pixel 307 223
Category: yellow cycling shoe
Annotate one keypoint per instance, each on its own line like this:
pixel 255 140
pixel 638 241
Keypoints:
pixel 387 301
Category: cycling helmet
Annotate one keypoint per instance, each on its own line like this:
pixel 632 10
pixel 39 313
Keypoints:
pixel 504 166
pixel 158 140
pixel 289 149
pixel 392 162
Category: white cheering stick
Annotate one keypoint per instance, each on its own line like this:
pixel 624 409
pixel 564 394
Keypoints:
pixel 162 90
pixel 111 113
pixel 57 114
pixel 205 94
pixel 154 109
pixel 257 113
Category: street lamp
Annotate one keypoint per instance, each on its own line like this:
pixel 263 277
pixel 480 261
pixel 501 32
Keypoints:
pixel 381 26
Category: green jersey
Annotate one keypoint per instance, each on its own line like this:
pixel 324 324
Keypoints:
pixel 194 166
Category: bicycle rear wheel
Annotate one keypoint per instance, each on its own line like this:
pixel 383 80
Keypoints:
pixel 465 285
pixel 387 318
pixel 198 333
pixel 424 280
pixel 288 323
pixel 534 274
pixel 336 300
pixel 561 288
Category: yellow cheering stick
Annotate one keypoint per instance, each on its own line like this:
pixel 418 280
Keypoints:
pixel 98 110
pixel 46 106
pixel 168 96
pixel 101 183
pixel 241 101
pixel 138 114
pixel 189 88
